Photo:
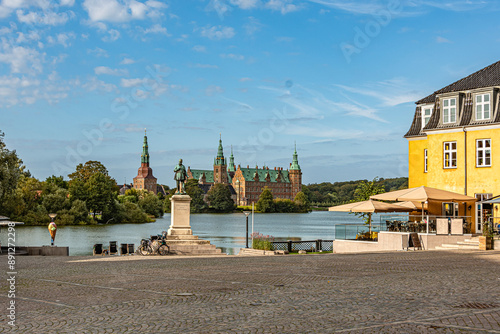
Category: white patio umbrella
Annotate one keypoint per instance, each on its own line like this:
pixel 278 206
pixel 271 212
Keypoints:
pixel 370 206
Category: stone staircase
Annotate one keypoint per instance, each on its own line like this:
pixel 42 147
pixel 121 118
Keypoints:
pixel 471 244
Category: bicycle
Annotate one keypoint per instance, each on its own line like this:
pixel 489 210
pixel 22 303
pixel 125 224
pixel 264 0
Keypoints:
pixel 154 246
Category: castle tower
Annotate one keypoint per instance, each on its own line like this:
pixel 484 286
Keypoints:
pixel 220 166
pixel 145 178
pixel 295 174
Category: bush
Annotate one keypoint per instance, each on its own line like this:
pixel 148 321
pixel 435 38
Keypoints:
pixel 260 241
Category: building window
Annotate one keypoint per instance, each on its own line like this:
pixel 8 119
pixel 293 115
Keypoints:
pixel 450 110
pixel 483 153
pixel 450 154
pixel 425 161
pixel 426 115
pixel 482 107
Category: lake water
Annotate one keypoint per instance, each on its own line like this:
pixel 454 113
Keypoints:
pixel 226 231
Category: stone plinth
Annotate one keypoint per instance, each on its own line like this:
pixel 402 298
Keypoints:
pixel 180 237
pixel 180 216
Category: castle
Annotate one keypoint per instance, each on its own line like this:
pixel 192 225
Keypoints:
pixel 246 184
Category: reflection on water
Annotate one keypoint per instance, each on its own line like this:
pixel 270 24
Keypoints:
pixel 226 231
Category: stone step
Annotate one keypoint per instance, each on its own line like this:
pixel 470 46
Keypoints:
pixel 468 243
pixel 458 246
pixel 187 242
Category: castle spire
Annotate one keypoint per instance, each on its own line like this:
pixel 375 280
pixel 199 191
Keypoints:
pixel 220 160
pixel 145 151
pixel 295 161
pixel 232 166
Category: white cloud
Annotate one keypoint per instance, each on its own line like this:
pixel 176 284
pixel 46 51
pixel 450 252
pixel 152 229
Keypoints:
pixel 252 26
pixel 283 6
pixel 441 40
pixel 98 52
pixel 113 36
pixel 68 3
pixel 21 59
pixel 63 38
pixel 245 79
pixel 199 48
pixel 44 18
pixel 373 7
pixel 109 71
pixel 156 29
pixel 95 84
pixel 232 56
pixel 213 89
pixel 245 4
pixel 217 32
pixel 127 61
pixel 127 83
pixel 121 10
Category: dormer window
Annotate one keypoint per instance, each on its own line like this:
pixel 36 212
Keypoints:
pixel 426 115
pixel 483 107
pixel 449 110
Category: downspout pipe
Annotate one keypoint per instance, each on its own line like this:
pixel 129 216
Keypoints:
pixel 465 161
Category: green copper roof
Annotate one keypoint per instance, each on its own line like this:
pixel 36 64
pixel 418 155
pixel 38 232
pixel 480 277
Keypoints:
pixel 145 151
pixel 231 167
pixel 209 174
pixel 295 161
pixel 249 174
pixel 220 160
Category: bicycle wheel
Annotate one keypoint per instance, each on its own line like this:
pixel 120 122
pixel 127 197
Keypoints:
pixel 145 250
pixel 163 250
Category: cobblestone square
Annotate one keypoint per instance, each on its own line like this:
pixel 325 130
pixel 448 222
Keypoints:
pixel 398 292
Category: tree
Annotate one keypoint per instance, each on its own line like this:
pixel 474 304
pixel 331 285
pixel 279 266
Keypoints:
pixel 302 202
pixel 85 172
pixel 219 197
pixel 10 171
pixel 194 191
pixel 100 194
pixel 363 192
pixel 150 203
pixel 265 202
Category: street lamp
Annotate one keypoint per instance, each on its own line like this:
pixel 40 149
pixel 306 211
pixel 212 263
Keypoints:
pixel 247 213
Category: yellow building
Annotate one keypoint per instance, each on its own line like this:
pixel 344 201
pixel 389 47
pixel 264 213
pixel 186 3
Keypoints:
pixel 454 142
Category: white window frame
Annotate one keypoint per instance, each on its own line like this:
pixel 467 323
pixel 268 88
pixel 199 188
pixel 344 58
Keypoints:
pixel 483 153
pixel 426 117
pixel 449 160
pixel 425 160
pixel 480 114
pixel 449 115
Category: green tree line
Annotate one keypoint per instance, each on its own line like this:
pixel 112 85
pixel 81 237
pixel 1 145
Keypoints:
pixel 330 194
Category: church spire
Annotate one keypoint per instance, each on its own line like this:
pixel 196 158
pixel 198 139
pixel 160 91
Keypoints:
pixel 145 151
pixel 295 161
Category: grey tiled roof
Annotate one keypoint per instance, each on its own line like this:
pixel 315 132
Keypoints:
pixel 486 77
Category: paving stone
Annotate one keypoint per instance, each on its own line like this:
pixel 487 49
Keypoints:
pixel 398 292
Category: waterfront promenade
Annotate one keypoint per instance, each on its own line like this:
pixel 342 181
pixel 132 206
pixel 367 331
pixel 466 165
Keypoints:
pixel 397 292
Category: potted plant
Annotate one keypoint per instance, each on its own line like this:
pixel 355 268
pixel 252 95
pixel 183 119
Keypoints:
pixel 486 240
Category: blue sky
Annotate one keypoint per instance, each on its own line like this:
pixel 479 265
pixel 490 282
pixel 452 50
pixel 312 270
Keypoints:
pixel 81 80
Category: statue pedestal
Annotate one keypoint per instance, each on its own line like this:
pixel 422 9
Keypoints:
pixel 180 237
pixel 180 216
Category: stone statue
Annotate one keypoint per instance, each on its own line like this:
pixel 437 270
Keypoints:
pixel 180 177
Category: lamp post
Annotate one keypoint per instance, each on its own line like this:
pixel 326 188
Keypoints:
pixel 246 216
pixel 238 194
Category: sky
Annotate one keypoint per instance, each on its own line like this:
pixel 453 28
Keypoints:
pixel 82 80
